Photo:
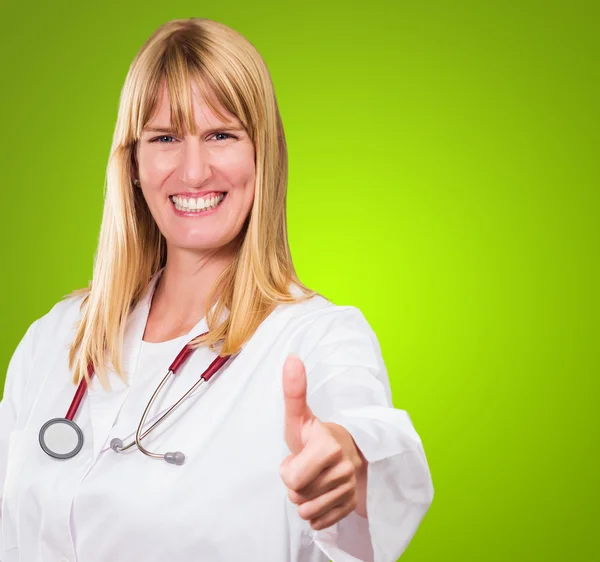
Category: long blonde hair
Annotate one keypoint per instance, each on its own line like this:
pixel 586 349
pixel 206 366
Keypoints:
pixel 131 249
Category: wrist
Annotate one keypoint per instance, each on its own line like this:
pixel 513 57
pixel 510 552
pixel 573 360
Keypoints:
pixel 345 439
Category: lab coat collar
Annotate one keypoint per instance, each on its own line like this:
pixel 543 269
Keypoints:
pixel 105 406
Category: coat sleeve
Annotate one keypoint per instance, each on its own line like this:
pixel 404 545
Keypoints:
pixel 348 385
pixel 14 387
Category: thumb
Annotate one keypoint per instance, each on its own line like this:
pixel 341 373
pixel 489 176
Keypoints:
pixel 296 410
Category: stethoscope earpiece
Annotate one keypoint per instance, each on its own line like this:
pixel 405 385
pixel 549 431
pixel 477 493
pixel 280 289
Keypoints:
pixel 175 458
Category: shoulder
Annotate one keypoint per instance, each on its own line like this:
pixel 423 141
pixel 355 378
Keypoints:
pixel 319 312
pixel 61 320
pixel 336 343
pixel 68 307
pixel 318 325
pixel 54 327
pixel 46 336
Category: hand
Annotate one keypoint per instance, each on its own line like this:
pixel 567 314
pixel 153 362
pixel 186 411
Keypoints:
pixel 326 473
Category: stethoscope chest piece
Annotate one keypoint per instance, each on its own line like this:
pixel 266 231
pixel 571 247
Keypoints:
pixel 61 438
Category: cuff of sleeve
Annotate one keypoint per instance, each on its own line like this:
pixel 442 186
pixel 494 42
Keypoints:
pixel 399 488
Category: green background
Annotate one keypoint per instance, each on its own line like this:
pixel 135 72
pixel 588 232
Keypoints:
pixel 443 178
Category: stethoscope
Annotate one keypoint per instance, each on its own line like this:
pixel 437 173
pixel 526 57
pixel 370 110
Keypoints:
pixel 62 438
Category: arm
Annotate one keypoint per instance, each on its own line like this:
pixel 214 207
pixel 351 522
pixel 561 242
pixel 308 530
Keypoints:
pixel 348 387
pixel 16 378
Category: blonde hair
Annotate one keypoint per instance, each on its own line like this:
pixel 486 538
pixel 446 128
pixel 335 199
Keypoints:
pixel 131 249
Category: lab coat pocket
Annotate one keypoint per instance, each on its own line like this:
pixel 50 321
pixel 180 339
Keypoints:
pixel 8 512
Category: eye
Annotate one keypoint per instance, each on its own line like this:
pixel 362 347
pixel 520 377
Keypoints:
pixel 159 139
pixel 226 135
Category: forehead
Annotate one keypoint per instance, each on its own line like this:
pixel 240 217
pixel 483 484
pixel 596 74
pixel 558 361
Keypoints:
pixel 198 107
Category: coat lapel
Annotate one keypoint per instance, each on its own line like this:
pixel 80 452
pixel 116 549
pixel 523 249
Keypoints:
pixel 104 405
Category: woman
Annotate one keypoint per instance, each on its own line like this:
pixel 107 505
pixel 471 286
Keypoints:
pixel 294 452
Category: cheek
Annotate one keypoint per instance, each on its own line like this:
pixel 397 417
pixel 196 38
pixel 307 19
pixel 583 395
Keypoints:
pixel 155 165
pixel 241 172
pixel 247 177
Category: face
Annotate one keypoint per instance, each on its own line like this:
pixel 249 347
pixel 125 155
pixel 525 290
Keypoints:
pixel 199 188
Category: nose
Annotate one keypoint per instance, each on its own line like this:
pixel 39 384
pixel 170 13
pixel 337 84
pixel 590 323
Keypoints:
pixel 195 163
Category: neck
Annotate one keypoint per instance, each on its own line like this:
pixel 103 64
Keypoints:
pixel 180 299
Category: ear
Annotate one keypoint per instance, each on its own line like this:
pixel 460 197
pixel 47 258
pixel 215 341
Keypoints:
pixel 134 166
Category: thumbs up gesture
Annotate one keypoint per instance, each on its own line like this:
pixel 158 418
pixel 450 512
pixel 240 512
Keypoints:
pixel 325 474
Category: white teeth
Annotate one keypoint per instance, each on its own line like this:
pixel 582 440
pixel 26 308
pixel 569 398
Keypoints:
pixel 185 204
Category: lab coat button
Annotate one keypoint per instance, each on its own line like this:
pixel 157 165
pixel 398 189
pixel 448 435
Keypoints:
pixel 64 559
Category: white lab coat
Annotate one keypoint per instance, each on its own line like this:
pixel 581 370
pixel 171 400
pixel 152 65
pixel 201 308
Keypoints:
pixel 227 502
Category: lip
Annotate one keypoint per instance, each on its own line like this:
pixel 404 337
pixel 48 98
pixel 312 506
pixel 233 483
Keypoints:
pixel 196 214
pixel 196 194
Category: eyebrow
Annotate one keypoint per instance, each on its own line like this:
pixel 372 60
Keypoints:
pixel 169 129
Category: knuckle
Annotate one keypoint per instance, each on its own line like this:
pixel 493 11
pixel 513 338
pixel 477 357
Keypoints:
pixel 294 496
pixel 293 481
pixel 285 472
pixel 354 481
pixel 350 488
pixel 332 451
pixel 347 468
pixel 304 513
pixel 337 451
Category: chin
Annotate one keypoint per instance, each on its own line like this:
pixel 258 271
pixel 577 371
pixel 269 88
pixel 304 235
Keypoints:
pixel 200 244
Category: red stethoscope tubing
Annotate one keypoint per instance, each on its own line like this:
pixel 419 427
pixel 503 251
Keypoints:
pixel 179 360
pixel 79 394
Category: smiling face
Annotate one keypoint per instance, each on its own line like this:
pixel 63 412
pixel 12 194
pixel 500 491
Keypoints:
pixel 199 188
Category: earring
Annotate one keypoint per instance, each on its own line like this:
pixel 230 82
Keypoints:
pixel 136 182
